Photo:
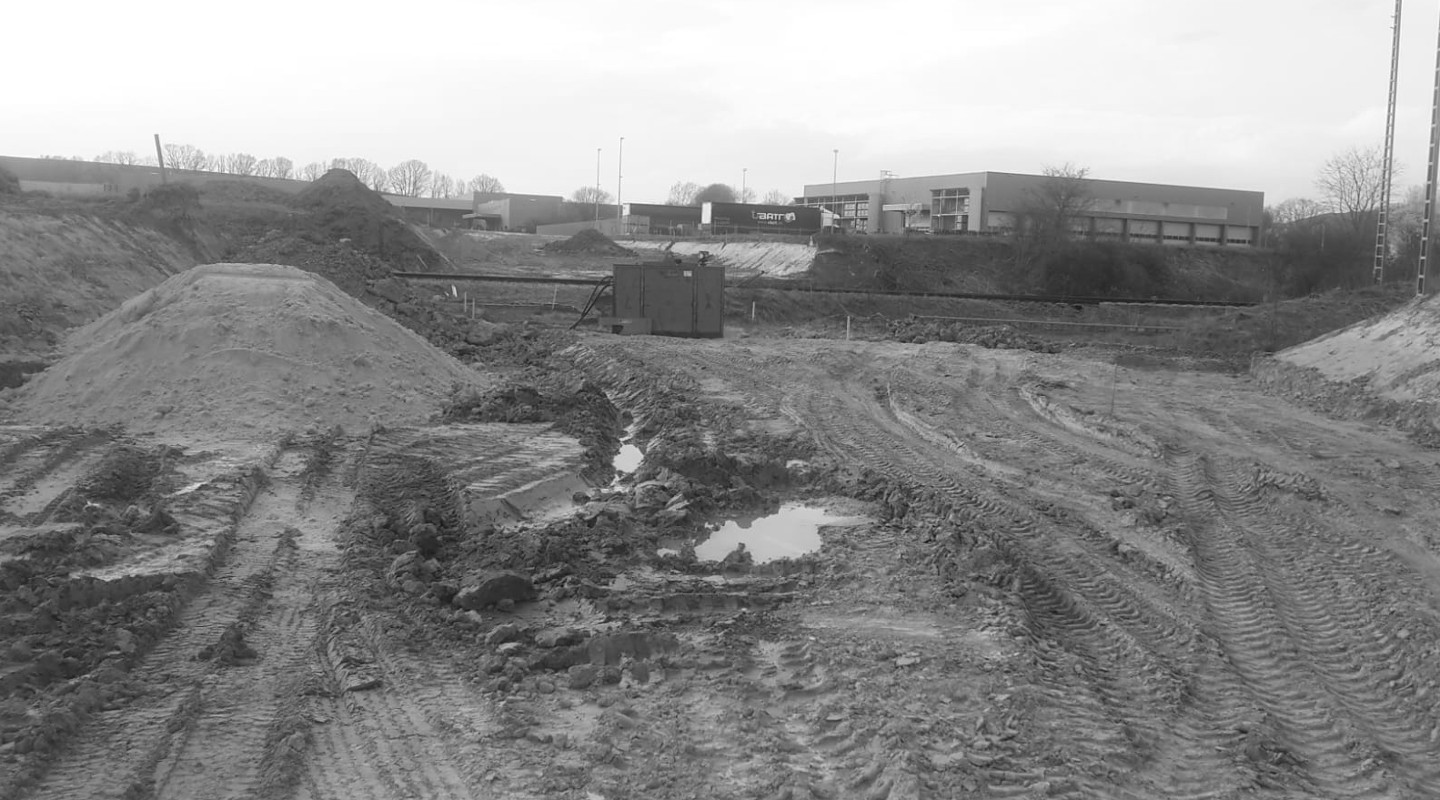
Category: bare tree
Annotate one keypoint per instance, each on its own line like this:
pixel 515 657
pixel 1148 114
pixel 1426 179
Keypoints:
pixel 746 195
pixel 313 171
pixel 369 173
pixel 126 157
pixel 439 185
pixel 185 156
pixel 1296 209
pixel 682 193
pixel 590 195
pixel 1351 183
pixel 775 197
pixel 459 188
pixel 410 178
pixel 1051 210
pixel 240 164
pixel 278 167
pixel 485 184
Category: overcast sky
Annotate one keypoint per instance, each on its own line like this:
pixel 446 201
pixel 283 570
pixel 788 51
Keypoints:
pixel 1245 94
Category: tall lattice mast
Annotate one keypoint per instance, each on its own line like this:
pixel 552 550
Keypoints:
pixel 1382 232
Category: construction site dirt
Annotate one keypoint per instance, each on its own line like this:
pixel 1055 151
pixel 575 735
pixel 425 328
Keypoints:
pixel 1007 564
pixel 1069 580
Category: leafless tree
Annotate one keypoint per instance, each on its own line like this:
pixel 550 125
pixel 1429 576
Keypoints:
pixel 313 171
pixel 590 195
pixel 682 193
pixel 459 188
pixel 126 157
pixel 485 184
pixel 410 178
pixel 278 167
pixel 1351 184
pixel 775 197
pixel 746 195
pixel 439 185
pixel 185 156
pixel 1295 209
pixel 369 173
pixel 240 164
pixel 1051 210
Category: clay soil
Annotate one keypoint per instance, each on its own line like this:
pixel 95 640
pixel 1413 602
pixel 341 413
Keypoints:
pixel 1068 579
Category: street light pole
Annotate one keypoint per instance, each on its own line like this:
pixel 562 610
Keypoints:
pixel 597 188
pixel 619 182
pixel 743 170
pixel 834 182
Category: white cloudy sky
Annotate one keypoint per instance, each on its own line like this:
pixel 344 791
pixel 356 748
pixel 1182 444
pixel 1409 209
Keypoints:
pixel 1249 94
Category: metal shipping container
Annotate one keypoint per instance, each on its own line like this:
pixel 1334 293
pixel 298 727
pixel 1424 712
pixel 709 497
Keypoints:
pixel 747 218
pixel 686 300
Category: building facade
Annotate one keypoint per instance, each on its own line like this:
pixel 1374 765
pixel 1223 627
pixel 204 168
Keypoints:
pixel 996 202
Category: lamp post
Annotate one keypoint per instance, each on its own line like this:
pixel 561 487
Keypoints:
pixel 619 182
pixel 834 182
pixel 743 170
pixel 597 188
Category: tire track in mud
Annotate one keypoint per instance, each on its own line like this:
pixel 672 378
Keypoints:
pixel 388 740
pixel 1366 668
pixel 202 727
pixel 61 455
pixel 1246 598
pixel 1134 657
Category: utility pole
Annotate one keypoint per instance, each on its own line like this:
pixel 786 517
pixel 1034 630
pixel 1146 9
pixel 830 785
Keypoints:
pixel 1382 232
pixel 597 188
pixel 619 179
pixel 1430 178
pixel 160 159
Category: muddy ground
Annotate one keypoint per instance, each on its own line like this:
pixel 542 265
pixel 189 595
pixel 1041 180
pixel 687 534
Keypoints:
pixel 1057 578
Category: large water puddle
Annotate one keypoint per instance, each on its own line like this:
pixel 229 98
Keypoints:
pixel 792 531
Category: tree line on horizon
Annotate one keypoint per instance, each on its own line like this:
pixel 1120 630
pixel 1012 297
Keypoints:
pixel 409 178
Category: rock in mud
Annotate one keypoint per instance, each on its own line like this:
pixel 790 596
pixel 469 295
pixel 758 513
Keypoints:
pixel 558 637
pixel 485 589
pixel 402 569
pixel 501 634
pixel 584 676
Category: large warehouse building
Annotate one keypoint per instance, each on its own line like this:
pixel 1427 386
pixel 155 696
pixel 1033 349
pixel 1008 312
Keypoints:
pixel 991 202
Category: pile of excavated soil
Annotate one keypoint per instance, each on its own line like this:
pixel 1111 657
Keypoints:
pixel 588 242
pixel 243 349
pixel 994 337
pixel 1397 354
pixel 1385 369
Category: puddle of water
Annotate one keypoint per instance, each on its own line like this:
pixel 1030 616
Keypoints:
pixel 628 459
pixel 792 531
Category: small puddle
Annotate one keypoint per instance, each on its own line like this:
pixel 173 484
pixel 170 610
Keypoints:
pixel 628 459
pixel 792 531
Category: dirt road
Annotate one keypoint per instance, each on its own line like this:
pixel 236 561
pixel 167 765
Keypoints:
pixel 1076 581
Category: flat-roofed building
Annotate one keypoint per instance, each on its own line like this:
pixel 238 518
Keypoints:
pixel 995 202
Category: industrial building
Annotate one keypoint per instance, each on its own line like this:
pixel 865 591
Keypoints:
pixel 993 202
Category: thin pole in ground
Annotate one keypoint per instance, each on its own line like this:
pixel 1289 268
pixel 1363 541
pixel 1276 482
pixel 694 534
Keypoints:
pixel 1114 375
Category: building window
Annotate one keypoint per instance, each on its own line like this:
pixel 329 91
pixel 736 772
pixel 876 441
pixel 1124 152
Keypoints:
pixel 950 210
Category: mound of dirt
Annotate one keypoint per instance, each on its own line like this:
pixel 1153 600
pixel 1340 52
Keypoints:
pixel 1397 355
pixel 588 242
pixel 9 184
pixel 226 350
pixel 994 337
